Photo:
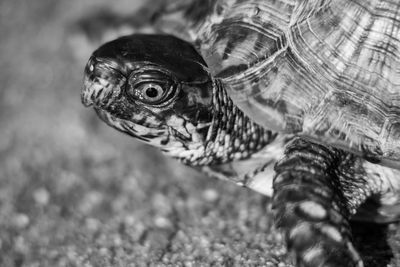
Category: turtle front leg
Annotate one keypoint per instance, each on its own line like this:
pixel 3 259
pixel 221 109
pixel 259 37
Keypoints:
pixel 311 206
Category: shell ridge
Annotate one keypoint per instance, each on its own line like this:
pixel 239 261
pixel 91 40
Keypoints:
pixel 343 75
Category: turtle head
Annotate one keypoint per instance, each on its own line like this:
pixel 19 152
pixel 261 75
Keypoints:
pixel 154 87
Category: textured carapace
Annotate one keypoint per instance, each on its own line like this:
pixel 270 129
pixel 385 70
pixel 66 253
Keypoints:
pixel 326 70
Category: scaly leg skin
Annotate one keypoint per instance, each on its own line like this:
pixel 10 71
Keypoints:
pixel 311 206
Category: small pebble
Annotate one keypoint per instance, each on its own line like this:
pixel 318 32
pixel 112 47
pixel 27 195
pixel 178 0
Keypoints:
pixel 41 196
pixel 130 184
pixel 162 222
pixel 103 251
pixel 92 224
pixel 21 220
pixel 71 254
pixel 20 245
pixel 210 195
pixel 117 241
pixel 129 220
pixel 90 201
pixel 188 264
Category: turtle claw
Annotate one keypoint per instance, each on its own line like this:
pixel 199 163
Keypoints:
pixel 311 209
pixel 317 243
pixel 327 255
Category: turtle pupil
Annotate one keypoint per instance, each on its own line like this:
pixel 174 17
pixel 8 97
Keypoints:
pixel 151 92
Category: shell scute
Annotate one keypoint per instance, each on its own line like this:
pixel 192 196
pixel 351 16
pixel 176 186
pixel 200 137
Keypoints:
pixel 241 36
pixel 334 64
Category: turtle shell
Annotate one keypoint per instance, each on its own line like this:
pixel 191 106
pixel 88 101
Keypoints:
pixel 326 70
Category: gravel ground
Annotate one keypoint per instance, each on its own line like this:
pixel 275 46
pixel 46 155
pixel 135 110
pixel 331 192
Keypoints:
pixel 74 192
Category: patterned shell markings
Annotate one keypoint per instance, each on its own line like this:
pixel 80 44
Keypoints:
pixel 328 70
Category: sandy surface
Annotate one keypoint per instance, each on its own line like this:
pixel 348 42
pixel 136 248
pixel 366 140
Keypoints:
pixel 74 192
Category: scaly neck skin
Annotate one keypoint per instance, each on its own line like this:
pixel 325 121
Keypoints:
pixel 230 136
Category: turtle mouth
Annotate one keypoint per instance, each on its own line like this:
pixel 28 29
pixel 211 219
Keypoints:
pixel 88 93
pixel 153 134
pixel 86 102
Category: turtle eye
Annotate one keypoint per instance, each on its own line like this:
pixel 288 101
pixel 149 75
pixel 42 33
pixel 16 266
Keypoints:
pixel 150 92
pixel 151 87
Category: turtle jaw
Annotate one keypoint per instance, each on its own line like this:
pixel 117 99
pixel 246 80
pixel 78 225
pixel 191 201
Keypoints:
pixel 137 126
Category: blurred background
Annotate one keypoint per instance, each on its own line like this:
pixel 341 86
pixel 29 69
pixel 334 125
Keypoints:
pixel 74 192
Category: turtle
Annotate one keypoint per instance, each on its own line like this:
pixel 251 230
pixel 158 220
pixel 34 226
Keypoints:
pixel 296 99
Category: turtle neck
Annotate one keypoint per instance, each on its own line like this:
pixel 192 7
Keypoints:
pixel 231 134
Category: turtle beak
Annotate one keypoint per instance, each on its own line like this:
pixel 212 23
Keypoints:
pixel 88 93
pixel 86 102
pixel 99 91
pixel 102 82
